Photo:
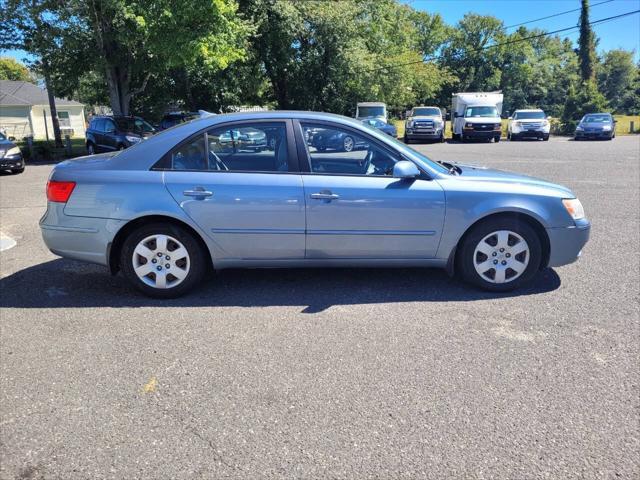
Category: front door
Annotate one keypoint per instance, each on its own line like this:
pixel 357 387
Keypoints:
pixel 246 195
pixel 357 209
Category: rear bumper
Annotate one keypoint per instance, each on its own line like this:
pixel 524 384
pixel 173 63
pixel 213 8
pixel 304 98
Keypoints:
pixel 566 243
pixel 79 238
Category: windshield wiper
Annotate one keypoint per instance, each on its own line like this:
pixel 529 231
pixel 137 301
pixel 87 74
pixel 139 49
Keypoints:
pixel 453 169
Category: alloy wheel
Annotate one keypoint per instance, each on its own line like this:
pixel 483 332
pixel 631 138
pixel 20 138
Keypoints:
pixel 161 261
pixel 501 257
pixel 348 144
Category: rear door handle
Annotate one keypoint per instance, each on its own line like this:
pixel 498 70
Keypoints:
pixel 325 195
pixel 197 192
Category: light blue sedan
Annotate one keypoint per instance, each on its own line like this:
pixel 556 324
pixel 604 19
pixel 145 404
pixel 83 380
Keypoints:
pixel 167 210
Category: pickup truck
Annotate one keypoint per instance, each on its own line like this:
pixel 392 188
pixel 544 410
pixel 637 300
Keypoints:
pixel 424 123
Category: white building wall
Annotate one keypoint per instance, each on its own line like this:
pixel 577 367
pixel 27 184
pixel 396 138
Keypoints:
pixel 76 118
pixel 14 120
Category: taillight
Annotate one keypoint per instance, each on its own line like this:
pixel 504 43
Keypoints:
pixel 59 191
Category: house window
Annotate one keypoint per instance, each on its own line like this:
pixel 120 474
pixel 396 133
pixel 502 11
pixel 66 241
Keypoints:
pixel 63 119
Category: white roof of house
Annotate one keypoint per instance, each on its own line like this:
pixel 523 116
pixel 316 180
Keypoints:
pixel 24 93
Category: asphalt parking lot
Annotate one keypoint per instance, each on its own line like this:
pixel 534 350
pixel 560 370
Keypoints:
pixel 331 373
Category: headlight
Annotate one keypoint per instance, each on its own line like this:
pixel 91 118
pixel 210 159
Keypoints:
pixel 132 139
pixel 574 207
pixel 545 123
pixel 579 128
pixel 606 128
pixel 13 151
pixel 410 124
pixel 468 125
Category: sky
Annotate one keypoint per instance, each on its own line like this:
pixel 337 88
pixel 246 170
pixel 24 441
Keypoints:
pixel 620 33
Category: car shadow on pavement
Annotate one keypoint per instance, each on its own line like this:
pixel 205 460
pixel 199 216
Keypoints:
pixel 65 283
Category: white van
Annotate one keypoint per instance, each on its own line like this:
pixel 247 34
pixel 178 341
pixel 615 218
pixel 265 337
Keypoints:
pixel 476 115
pixel 371 110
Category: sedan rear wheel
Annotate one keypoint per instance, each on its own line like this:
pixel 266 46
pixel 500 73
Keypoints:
pixel 500 254
pixel 348 144
pixel 162 261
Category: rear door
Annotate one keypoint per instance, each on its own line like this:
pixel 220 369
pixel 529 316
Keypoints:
pixel 249 200
pixel 355 207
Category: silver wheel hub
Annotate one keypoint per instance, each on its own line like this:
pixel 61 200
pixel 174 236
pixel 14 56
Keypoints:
pixel 161 261
pixel 501 256
pixel 348 143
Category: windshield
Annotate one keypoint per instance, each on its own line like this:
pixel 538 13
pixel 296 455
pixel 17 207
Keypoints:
pixel 425 112
pixel 136 125
pixel 481 112
pixel 597 119
pixel 370 112
pixel 528 115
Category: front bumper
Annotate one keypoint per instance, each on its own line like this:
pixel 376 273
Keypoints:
pixel 11 162
pixel 566 243
pixel 423 134
pixel 530 133
pixel 470 133
pixel 594 135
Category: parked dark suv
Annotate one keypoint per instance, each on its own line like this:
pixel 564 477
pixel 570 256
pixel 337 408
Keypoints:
pixel 175 118
pixel 106 133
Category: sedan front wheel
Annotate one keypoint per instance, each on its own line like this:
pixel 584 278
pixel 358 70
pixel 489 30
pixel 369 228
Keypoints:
pixel 162 261
pixel 500 254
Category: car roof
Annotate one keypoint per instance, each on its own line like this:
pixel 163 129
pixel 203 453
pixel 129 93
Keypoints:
pixel 529 110
pixel 603 113
pixel 371 104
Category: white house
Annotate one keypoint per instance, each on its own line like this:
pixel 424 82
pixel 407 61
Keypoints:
pixel 24 112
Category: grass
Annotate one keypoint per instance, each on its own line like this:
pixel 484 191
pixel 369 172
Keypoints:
pixel 44 151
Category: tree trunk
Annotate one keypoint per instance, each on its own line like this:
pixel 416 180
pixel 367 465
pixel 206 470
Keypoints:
pixel 52 107
pixel 119 89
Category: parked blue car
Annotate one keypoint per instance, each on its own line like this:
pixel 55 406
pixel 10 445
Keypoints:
pixel 596 126
pixel 168 209
pixel 382 126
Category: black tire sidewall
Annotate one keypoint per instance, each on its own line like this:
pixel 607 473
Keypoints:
pixel 474 236
pixel 197 259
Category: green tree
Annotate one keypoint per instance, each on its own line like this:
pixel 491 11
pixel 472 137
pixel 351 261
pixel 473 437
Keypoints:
pixel 587 45
pixel 11 69
pixel 582 100
pixel 616 77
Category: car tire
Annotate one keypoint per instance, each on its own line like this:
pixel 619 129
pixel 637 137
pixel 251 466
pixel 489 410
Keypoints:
pixel 442 139
pixel 16 171
pixel 91 149
pixel 348 144
pixel 545 138
pixel 141 247
pixel 406 140
pixel 496 139
pixel 477 248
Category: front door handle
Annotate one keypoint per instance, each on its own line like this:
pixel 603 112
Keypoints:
pixel 197 192
pixel 325 195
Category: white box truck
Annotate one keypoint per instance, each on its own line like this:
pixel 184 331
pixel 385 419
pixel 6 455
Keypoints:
pixel 476 115
pixel 371 110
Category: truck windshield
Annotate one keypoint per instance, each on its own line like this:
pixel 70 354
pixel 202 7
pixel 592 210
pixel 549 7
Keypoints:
pixel 426 112
pixel 529 115
pixel 481 112
pixel 370 112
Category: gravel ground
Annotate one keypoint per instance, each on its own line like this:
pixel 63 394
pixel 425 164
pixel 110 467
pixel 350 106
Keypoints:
pixel 331 373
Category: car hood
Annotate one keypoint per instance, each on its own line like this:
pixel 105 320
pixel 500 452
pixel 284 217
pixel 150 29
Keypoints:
pixel 6 144
pixel 477 173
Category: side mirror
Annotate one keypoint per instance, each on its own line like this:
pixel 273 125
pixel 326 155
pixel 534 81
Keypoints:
pixel 12 139
pixel 405 169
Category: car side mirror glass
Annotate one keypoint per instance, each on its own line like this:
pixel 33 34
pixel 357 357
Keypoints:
pixel 405 169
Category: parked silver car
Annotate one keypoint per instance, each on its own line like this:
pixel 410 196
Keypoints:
pixel 168 209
